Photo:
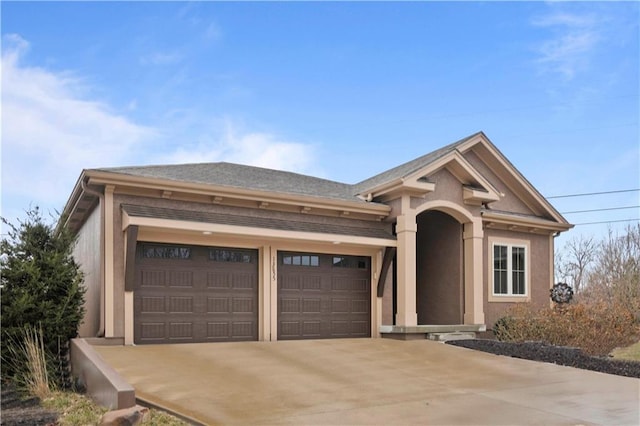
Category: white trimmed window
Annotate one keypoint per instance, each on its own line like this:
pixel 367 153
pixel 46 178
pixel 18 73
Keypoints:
pixel 510 269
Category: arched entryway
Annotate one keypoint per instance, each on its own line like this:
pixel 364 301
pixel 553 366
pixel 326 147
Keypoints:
pixel 439 269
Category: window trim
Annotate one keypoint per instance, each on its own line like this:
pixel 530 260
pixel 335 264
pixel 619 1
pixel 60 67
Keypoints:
pixel 510 243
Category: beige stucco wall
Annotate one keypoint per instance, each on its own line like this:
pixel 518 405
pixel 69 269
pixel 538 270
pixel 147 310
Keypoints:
pixel 510 202
pixel 87 252
pixel 540 271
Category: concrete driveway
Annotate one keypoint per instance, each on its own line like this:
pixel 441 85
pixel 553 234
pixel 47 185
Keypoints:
pixel 369 381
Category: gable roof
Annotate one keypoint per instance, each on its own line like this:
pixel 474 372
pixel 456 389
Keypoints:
pixel 241 179
pixel 409 167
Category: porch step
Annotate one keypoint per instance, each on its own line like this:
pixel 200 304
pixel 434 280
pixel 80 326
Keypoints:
pixel 433 332
pixel 444 337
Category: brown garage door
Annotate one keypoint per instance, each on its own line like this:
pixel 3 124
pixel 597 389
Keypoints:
pixel 323 296
pixel 190 294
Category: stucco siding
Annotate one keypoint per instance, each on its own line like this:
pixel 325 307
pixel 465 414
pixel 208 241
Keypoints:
pixel 510 202
pixel 87 253
pixel 540 272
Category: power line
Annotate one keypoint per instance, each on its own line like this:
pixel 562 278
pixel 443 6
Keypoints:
pixel 607 221
pixel 594 193
pixel 602 210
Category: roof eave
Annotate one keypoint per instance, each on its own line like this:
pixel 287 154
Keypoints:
pixel 98 177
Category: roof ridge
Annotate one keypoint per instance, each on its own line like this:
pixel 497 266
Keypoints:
pixel 410 166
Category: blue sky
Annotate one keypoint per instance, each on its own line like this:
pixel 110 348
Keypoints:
pixel 337 90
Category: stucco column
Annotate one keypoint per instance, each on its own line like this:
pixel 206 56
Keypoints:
pixel 406 229
pixel 473 288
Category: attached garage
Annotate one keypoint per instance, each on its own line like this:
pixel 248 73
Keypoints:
pixel 189 294
pixel 323 296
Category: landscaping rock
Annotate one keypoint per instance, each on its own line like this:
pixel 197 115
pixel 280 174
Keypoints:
pixel 18 411
pixel 561 355
pixel 126 417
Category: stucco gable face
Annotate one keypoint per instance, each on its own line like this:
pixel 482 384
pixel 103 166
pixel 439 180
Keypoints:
pixel 510 201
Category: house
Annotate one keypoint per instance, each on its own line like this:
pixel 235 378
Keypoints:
pixel 226 252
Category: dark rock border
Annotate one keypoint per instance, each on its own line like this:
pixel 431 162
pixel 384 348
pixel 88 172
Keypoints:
pixel 538 351
pixel 19 411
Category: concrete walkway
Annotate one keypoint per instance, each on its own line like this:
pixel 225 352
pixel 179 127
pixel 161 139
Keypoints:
pixel 369 381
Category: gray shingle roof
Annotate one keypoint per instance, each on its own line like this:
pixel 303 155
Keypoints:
pixel 408 167
pixel 245 177
pixel 257 178
pixel 288 224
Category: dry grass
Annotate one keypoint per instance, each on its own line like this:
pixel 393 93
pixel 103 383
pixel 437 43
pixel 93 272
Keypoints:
pixel 596 328
pixel 29 358
pixel 76 409
pixel 631 352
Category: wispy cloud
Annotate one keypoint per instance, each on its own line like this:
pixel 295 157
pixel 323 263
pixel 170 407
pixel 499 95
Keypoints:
pixel 250 148
pixel 161 58
pixel 573 39
pixel 50 131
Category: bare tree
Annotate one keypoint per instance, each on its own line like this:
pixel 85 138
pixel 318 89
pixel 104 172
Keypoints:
pixel 615 276
pixel 573 261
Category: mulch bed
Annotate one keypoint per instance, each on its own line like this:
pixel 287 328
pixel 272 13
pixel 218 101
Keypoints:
pixel 19 411
pixel 537 351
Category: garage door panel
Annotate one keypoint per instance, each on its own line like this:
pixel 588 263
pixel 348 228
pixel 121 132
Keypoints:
pixel 218 305
pixel 243 330
pixel 360 307
pixel 323 296
pixel 181 330
pixel 243 282
pixel 181 305
pixel 289 306
pixel 243 305
pixel 289 329
pixel 311 283
pixel 152 305
pixel 218 330
pixel 312 305
pixel 194 298
pixel 289 282
pixel 179 279
pixel 311 329
pixel 151 278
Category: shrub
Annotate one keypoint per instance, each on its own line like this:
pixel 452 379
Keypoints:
pixel 596 328
pixel 41 287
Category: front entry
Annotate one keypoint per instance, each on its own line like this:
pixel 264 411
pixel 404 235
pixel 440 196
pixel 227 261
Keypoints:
pixel 439 279
pixel 323 296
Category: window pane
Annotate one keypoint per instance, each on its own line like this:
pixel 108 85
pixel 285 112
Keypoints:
pixel 301 260
pixel 500 269
pixel 237 256
pixel 518 282
pixel 518 270
pixel 500 282
pixel 166 252
pixel 339 261
pixel 500 258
